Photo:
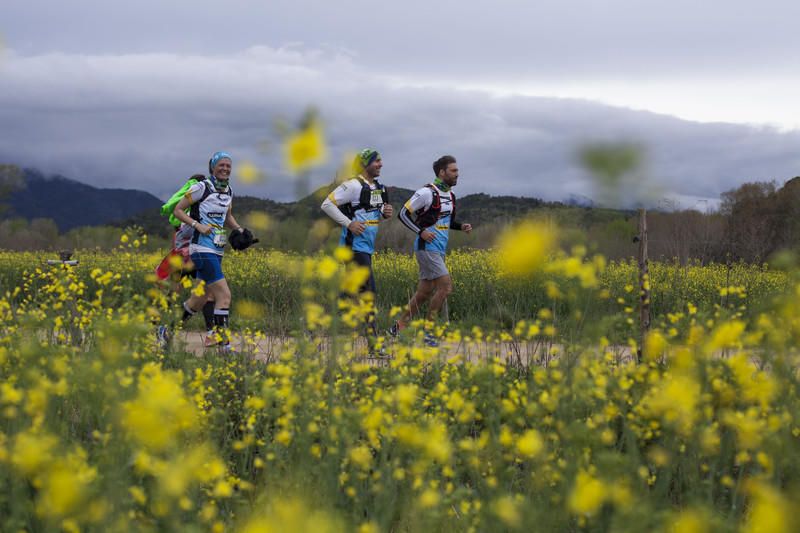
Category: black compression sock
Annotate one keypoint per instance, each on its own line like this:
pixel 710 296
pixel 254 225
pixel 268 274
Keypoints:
pixel 221 322
pixel 187 313
pixel 208 315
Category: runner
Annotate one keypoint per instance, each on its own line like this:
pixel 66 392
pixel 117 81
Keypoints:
pixel 434 215
pixel 210 203
pixel 180 248
pixel 358 205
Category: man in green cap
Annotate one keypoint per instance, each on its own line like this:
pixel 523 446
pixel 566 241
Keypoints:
pixel 359 205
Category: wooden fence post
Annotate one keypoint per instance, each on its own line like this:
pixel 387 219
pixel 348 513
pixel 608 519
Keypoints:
pixel 644 284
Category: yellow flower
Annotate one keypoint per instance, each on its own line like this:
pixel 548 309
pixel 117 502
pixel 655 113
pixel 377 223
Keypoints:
pixel 291 515
pixel 257 220
pixel 248 173
pixel 354 279
pixel 161 410
pixel 727 335
pixel 305 148
pixel 524 248
pixel 327 267
pixel 138 495
pixel 691 521
pixel 429 498
pixel 507 510
pixel 587 496
pixel 361 456
pixel 530 444
pixel 675 399
pixel 654 345
pixel 368 527
pixel 343 254
pixel 63 487
pixel 770 511
pixel 32 450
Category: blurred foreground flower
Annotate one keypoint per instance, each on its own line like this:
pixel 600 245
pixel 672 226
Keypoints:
pixel 306 148
pixel 524 248
pixel 248 173
pixel 257 221
pixel 292 516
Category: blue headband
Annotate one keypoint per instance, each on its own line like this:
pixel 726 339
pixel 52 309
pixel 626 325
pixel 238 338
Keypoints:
pixel 215 159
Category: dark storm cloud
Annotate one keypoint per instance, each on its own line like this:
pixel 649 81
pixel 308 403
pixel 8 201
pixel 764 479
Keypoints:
pixel 148 120
pixel 502 39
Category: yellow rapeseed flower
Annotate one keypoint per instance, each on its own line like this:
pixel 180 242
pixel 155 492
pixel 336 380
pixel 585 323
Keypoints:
pixel 530 443
pixel 161 410
pixel 305 148
pixel 770 511
pixel 524 248
pixel 248 173
pixel 257 220
pixel 587 496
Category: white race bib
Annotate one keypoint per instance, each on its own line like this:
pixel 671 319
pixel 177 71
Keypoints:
pixel 219 238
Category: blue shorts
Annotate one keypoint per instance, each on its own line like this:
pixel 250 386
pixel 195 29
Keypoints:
pixel 208 267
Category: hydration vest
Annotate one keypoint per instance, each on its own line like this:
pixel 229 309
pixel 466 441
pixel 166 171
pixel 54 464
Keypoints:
pixel 194 210
pixel 365 198
pixel 426 218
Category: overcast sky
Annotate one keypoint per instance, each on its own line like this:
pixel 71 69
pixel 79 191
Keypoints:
pixel 139 94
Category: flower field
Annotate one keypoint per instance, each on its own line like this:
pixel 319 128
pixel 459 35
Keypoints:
pixel 102 430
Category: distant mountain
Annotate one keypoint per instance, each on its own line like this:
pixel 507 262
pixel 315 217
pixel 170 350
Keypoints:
pixel 477 208
pixel 71 204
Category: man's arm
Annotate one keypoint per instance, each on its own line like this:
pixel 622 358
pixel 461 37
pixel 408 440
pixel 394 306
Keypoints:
pixel 422 199
pixel 330 207
pixel 332 210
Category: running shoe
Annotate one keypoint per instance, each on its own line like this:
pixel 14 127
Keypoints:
pixel 210 339
pixel 225 348
pixel 430 340
pixel 378 354
pixel 163 337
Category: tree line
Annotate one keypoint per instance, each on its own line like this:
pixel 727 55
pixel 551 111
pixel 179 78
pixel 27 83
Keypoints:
pixel 753 222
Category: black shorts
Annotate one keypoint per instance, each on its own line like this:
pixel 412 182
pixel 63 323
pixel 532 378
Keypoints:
pixel 365 259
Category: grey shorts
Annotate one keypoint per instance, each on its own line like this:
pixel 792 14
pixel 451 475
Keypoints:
pixel 431 265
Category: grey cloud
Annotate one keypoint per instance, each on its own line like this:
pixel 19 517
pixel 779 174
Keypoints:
pixel 509 40
pixel 148 120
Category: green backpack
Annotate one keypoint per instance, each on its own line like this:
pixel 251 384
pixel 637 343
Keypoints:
pixel 168 208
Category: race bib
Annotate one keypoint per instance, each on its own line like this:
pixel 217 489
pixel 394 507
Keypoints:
pixel 219 238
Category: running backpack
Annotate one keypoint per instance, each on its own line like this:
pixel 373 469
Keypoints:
pixel 168 208
pixel 364 200
pixel 428 217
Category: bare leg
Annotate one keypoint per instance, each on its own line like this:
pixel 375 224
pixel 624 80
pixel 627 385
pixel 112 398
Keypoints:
pixel 444 286
pixel 424 291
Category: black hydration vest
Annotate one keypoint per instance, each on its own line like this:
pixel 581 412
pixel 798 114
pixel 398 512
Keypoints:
pixel 426 218
pixel 364 200
pixel 194 210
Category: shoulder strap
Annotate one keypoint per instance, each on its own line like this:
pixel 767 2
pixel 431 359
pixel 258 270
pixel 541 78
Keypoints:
pixel 207 191
pixel 194 211
pixel 384 191
pixel 437 201
pixel 427 217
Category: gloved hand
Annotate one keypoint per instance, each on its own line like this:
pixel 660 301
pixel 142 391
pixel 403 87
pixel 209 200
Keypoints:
pixel 242 239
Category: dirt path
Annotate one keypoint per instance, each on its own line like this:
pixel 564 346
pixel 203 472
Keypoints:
pixel 270 348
